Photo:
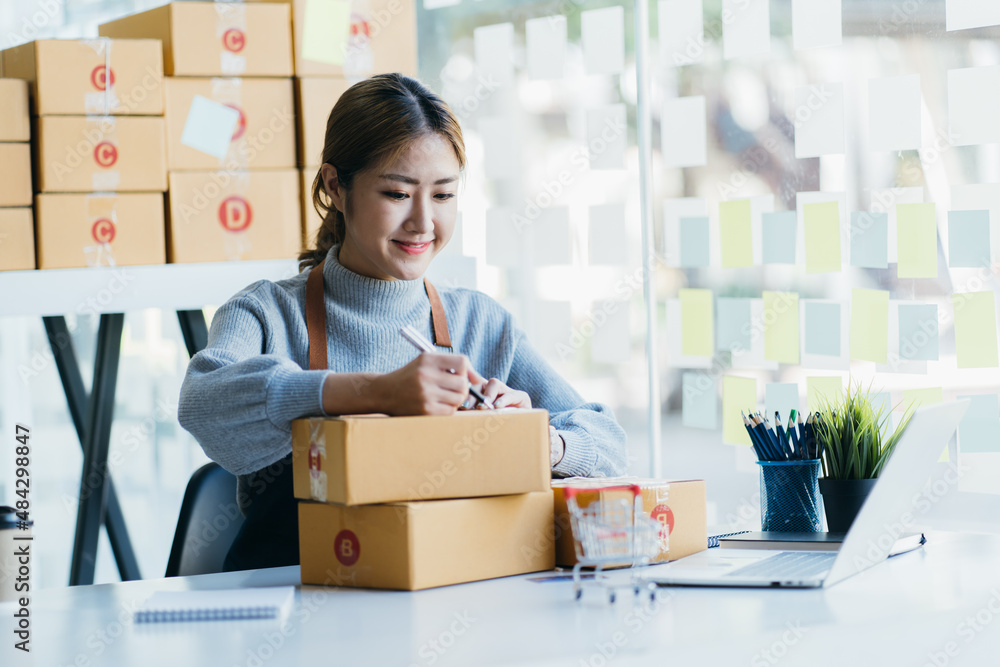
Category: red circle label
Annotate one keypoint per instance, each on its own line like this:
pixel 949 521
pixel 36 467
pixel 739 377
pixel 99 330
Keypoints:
pixel 241 124
pixel 315 461
pixel 665 516
pixel 103 231
pixel 105 154
pixel 235 213
pixel 100 76
pixel 347 547
pixel 234 40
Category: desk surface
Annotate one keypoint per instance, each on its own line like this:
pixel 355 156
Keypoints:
pixel 911 610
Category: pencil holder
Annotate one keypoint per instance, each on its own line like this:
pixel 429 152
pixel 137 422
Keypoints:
pixel 789 496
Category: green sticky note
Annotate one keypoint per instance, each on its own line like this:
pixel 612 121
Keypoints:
pixel 869 325
pixel 734 233
pixel 325 31
pixel 916 241
pixel 975 330
pixel 822 228
pixel 781 327
pixel 697 331
pixel 737 394
pixel 822 390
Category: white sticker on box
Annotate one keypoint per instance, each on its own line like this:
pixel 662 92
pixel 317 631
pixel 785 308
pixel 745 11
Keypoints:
pixel 317 460
pixel 209 126
pixel 231 29
pixel 106 181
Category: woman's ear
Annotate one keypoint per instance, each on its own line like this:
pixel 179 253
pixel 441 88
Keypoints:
pixel 333 187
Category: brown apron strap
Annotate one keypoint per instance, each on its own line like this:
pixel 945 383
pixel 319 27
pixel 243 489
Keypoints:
pixel 316 319
pixel 438 318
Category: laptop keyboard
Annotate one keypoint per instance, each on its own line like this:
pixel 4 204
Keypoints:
pixel 788 565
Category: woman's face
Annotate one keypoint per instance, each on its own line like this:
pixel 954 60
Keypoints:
pixel 399 217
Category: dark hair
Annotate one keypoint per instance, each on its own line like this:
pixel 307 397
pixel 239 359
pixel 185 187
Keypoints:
pixel 372 124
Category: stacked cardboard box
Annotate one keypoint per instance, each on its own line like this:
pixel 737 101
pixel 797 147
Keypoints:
pixel 17 230
pixel 234 190
pixel 416 502
pixel 99 167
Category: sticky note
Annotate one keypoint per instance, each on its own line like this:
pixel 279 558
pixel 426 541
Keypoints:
pixel 753 358
pixel 894 113
pixel 325 31
pixel 602 32
pixel 499 147
pixel 916 398
pixel 816 23
pixel 979 197
pixel 975 329
pixel 453 270
pixel 681 31
pixel 694 242
pixel 885 201
pixel 733 327
pixel 675 355
pixel 608 240
pixel 606 136
pixel 699 401
pixel 546 44
pixel 821 390
pixel 869 325
pixel 822 232
pixel 503 238
pixel 963 14
pixel 737 394
pixel 553 329
pixel 870 240
pixel 683 132
pixel 552 236
pixel 916 241
pixel 779 237
pixel 748 33
pixel 822 328
pixel 979 430
pixel 781 327
pixel 673 211
pixel 969 239
pixel 735 233
pixel 697 331
pixel 209 126
pixel 611 342
pixel 819 120
pixel 918 332
pixel 493 46
pixel 973 98
pixel 782 397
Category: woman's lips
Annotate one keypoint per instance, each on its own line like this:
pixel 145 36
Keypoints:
pixel 413 248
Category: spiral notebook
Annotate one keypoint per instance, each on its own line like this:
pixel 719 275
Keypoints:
pixel 225 605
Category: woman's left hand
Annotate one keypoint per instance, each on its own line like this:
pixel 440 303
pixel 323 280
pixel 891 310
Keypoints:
pixel 503 396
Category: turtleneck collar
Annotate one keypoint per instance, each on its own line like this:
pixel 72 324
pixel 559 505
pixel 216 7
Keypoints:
pixel 384 298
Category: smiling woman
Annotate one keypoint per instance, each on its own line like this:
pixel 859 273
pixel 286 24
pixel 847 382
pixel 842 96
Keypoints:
pixel 388 194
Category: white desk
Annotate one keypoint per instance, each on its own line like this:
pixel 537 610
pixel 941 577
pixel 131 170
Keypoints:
pixel 894 614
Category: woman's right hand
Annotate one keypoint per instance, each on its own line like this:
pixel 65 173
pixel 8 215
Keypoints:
pixel 431 384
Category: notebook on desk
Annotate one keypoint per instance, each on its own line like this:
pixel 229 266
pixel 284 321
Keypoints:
pixel 775 540
pixel 165 606
pixel 865 544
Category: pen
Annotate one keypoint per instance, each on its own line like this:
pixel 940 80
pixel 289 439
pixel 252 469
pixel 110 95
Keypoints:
pixel 422 344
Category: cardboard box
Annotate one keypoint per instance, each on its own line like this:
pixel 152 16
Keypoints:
pixel 71 76
pixel 311 222
pixel 265 134
pixel 217 216
pixel 416 545
pixel 78 230
pixel 215 39
pixel 15 185
pixel 375 458
pixel 679 505
pixel 17 239
pixel 381 37
pixel 14 122
pixel 100 154
pixel 314 98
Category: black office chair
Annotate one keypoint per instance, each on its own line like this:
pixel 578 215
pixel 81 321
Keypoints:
pixel 207 525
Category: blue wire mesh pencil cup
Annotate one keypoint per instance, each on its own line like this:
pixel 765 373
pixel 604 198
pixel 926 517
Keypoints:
pixel 789 496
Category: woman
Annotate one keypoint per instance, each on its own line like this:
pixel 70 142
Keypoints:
pixel 388 194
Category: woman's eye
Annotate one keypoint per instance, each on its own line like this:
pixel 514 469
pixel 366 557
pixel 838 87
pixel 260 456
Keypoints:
pixel 444 196
pixel 396 195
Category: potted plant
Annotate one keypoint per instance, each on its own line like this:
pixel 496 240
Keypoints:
pixel 854 447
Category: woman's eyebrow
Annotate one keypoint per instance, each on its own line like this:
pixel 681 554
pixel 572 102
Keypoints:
pixel 413 181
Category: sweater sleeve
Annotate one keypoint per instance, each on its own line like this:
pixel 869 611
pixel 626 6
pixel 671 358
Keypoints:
pixel 238 400
pixel 595 442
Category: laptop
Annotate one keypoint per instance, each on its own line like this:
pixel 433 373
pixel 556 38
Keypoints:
pixel 867 543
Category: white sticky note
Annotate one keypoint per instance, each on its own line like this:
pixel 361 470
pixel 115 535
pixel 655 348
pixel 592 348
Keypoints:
pixel 816 23
pixel 603 35
pixel 748 32
pixel 499 147
pixel 979 197
pixel 754 357
pixel 673 211
pixel 546 42
pixel 782 397
pixel 438 4
pixel 553 243
pixel 682 31
pixel 683 132
pixel 608 241
pixel 209 126
pixel 894 113
pixel 973 99
pixel 607 132
pixel 453 270
pixel 503 238
pixel 885 201
pixel 552 330
pixel 963 14
pixel 494 49
pixel 611 343
pixel 819 120
pixel 325 31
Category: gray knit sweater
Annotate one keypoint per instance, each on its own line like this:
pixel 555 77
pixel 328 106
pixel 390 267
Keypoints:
pixel 241 393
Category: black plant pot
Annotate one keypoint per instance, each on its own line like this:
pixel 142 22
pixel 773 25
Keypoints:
pixel 842 500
